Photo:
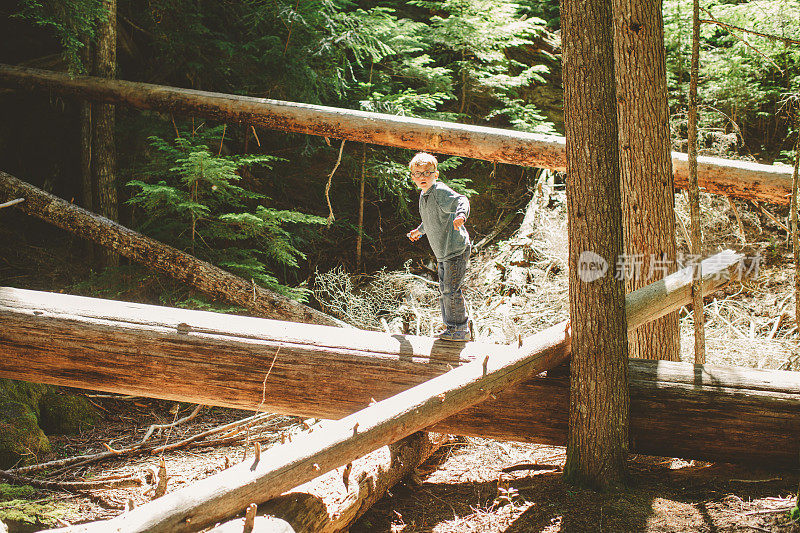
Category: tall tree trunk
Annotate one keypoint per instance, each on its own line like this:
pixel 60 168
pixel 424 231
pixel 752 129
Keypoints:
pixel 87 195
pixel 648 202
pixel 793 211
pixel 694 192
pixel 88 190
pixel 597 445
pixel 104 153
pixel 360 240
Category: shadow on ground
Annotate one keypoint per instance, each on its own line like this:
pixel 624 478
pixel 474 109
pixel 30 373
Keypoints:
pixel 664 495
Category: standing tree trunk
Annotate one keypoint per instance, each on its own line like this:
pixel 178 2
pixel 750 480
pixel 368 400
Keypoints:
pixel 87 194
pixel 88 190
pixel 361 207
pixel 597 445
pixel 795 239
pixel 694 193
pixel 648 202
pixel 104 153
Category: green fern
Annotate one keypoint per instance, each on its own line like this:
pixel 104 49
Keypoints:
pixel 189 198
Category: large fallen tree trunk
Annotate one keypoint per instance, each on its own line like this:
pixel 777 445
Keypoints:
pixel 733 178
pixel 315 371
pixel 200 274
pixel 342 441
pixel 329 504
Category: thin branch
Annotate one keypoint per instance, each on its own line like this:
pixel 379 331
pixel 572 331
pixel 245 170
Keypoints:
pixel 738 219
pixel 753 48
pixel 795 240
pixel 224 127
pixel 137 449
pixel 745 30
pixel 71 485
pixel 159 427
pixel 772 217
pixel 12 202
pixel 331 218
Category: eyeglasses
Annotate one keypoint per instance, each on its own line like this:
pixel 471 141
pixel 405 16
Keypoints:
pixel 422 173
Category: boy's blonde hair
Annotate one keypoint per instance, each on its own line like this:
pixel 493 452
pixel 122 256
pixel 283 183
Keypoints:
pixel 423 158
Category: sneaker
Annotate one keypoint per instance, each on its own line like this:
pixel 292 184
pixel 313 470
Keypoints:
pixel 456 335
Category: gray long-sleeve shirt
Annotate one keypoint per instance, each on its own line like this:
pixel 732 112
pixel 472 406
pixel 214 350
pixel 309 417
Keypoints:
pixel 438 207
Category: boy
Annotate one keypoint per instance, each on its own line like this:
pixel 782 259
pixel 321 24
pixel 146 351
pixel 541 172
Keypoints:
pixel 443 212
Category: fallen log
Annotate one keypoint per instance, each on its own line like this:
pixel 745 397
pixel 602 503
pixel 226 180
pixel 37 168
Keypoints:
pixel 732 178
pixel 144 350
pixel 327 505
pixel 202 275
pixel 324 372
pixel 339 442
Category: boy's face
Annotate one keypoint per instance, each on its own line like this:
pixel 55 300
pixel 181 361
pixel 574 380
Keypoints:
pixel 424 175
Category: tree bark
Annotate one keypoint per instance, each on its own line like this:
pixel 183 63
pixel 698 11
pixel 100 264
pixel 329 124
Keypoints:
pixel 87 191
pixel 175 354
pixel 793 218
pixel 202 275
pixel 648 199
pixel 361 206
pixel 105 151
pixel 328 505
pixel 597 446
pixel 740 179
pixel 694 190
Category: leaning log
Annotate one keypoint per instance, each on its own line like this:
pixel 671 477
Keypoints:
pixel 698 412
pixel 732 178
pixel 339 442
pixel 332 502
pixel 201 275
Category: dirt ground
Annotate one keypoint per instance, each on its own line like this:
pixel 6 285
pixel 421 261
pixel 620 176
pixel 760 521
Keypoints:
pixel 489 486
pixel 472 485
pixel 483 485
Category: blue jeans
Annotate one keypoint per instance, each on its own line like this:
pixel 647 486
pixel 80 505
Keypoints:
pixel 451 275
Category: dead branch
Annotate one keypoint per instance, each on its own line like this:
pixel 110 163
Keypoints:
pixel 126 482
pixel 331 218
pixel 161 427
pixel 139 449
pixel 745 30
pixel 738 220
pixel 772 217
pixel 12 202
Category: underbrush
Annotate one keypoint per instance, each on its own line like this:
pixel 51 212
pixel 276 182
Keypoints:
pixel 520 286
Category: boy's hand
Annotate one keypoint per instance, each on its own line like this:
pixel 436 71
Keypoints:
pixel 414 234
pixel 458 222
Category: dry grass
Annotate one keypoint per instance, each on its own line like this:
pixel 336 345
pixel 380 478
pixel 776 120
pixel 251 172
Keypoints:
pixel 514 288
pixel 519 286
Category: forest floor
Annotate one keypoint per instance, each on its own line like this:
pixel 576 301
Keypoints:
pixel 516 288
pixel 475 485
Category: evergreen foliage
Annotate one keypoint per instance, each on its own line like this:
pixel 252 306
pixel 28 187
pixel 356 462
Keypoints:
pixel 73 21
pixel 190 199
pixel 474 61
pixel 743 75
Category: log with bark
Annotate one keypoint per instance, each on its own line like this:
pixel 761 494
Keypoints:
pixel 329 503
pixel 339 442
pixel 323 372
pixel 200 274
pixel 721 176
